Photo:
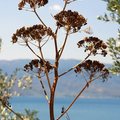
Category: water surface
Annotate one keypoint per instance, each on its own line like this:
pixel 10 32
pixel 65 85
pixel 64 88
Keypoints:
pixel 83 109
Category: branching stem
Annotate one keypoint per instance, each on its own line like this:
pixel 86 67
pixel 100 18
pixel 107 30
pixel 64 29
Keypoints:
pixel 63 46
pixel 74 66
pixel 46 71
pixel 83 89
pixel 43 87
pixel 39 18
pixel 32 50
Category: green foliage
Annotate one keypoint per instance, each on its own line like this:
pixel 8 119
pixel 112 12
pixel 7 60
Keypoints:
pixel 31 115
pixel 5 94
pixel 114 48
pixel 7 83
pixel 113 6
pixel 28 115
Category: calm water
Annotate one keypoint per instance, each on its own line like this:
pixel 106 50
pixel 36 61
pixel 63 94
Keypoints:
pixel 83 109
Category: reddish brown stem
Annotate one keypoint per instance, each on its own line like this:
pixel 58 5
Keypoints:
pixel 46 71
pixel 57 57
pixel 74 66
pixel 52 96
pixel 63 46
pixel 83 89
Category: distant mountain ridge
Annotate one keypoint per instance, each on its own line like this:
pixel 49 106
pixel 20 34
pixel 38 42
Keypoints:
pixel 70 84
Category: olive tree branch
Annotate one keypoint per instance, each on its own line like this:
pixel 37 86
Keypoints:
pixel 4 104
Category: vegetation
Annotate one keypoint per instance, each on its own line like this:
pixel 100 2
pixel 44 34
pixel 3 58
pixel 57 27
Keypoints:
pixel 7 91
pixel 113 6
pixel 36 37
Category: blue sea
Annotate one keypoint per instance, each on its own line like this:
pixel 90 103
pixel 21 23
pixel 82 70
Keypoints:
pixel 83 109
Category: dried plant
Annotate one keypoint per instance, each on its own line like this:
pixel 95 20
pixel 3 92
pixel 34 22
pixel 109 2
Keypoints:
pixel 39 35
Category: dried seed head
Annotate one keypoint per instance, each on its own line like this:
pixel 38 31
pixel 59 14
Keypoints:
pixel 93 67
pixel 39 64
pixel 70 19
pixel 36 32
pixel 93 45
pixel 32 3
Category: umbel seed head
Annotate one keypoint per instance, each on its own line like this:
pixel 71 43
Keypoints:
pixel 72 20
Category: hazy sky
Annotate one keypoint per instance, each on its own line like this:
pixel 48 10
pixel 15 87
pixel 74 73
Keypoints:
pixel 11 19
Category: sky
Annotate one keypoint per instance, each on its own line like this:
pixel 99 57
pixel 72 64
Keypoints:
pixel 11 19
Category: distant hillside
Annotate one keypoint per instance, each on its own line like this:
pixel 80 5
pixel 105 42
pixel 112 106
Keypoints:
pixel 70 84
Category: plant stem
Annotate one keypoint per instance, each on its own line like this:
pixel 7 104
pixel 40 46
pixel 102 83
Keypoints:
pixel 65 5
pixel 32 50
pixel 43 87
pixel 63 46
pixel 83 89
pixel 46 71
pixel 74 66
pixel 39 18
pixel 52 96
pixel 66 72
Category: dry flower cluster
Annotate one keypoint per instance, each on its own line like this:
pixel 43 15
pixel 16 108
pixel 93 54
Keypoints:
pixel 70 20
pixel 32 3
pixel 38 64
pixel 93 67
pixel 36 32
pixel 94 45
